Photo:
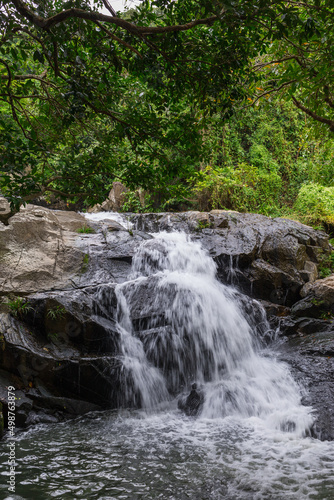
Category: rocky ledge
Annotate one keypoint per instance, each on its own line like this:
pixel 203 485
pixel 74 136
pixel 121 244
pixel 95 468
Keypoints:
pixel 59 348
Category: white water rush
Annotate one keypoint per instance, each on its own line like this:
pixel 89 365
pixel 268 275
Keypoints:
pixel 179 326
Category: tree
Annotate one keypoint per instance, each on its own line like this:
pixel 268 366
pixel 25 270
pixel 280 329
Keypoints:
pixel 88 97
pixel 298 65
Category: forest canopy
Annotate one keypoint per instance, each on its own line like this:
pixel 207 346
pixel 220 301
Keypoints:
pixel 146 95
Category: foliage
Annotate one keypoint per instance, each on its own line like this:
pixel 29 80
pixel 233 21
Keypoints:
pixel 132 203
pixel 243 188
pixel 85 262
pixel 326 266
pixel 87 99
pixel 56 313
pixel 85 230
pixel 316 203
pixel 19 307
pixel 299 64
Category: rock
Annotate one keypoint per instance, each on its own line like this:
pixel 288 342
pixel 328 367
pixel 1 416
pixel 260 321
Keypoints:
pixel 64 365
pixel 1 421
pixel 38 252
pixel 107 206
pixel 112 225
pixel 41 250
pixel 310 271
pixel 192 404
pixel 5 211
pixel 95 209
pixel 312 362
pixel 309 308
pixel 116 195
pixel 267 258
pixel 322 291
pixel 199 220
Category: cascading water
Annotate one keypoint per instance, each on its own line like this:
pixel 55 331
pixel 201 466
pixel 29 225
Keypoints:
pixel 192 329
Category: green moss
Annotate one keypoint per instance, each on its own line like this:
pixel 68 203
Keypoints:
pixel 204 224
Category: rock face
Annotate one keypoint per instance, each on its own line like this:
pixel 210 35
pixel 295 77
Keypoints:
pixel 309 350
pixel 62 350
pixel 42 250
pixel 38 250
pixel 267 258
pixel 270 259
pixel 322 293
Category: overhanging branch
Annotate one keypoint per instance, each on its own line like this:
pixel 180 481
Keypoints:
pixel 46 23
pixel 314 115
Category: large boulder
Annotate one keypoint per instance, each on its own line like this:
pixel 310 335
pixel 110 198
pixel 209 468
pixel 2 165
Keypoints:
pixel 38 250
pixel 41 250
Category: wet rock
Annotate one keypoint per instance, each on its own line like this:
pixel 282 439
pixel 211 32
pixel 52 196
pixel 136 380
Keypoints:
pixel 62 365
pixel 306 308
pixel 192 404
pixel 267 258
pixel 1 421
pixel 271 259
pixel 312 363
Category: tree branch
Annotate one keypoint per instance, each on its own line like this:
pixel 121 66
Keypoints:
pixel 277 61
pixel 119 40
pixel 328 98
pixel 272 90
pixel 313 115
pixel 109 7
pixel 43 23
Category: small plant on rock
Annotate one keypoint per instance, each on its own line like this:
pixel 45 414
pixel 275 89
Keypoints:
pixel 326 265
pixel 204 224
pixel 57 312
pixel 85 230
pixel 19 307
pixel 85 262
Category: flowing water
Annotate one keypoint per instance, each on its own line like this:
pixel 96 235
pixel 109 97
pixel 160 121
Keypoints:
pixel 177 326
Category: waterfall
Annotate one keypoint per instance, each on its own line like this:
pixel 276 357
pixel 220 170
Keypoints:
pixel 178 326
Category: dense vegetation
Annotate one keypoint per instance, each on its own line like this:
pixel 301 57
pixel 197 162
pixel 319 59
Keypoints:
pixel 200 104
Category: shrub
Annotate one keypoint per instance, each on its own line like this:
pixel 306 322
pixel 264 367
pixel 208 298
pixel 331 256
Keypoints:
pixel 244 188
pixel 316 203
